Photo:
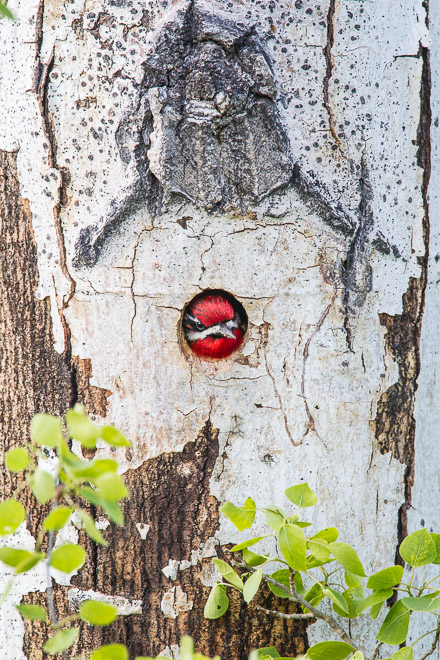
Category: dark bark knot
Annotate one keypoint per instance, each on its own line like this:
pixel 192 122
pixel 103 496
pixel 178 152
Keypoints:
pixel 209 95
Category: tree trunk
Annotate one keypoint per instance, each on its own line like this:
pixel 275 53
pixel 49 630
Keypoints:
pixel 280 152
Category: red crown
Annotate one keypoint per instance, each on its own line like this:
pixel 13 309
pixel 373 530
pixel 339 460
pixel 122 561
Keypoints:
pixel 212 309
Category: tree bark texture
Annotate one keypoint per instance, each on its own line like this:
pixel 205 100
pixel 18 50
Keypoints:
pixel 281 152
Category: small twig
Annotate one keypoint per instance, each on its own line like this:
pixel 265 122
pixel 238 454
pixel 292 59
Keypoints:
pixel 433 647
pixel 376 650
pixel 283 615
pixel 50 602
pixel 317 614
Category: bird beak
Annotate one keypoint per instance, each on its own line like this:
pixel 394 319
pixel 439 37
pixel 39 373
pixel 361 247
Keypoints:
pixel 226 332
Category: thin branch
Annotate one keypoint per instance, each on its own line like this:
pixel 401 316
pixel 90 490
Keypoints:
pixel 317 614
pixel 283 615
pixel 50 601
pixel 376 651
pixel 433 647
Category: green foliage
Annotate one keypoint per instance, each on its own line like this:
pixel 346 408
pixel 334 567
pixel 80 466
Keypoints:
pixel 242 517
pixel 71 480
pixel 318 567
pixel 12 514
pixel 33 612
pixel 110 652
pixel 17 459
pixel 329 651
pixel 98 613
pixel 310 567
pixel 4 11
pixel 61 641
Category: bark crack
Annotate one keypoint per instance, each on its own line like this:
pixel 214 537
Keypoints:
pixel 332 18
pixel 40 89
pixel 311 426
pixel 133 277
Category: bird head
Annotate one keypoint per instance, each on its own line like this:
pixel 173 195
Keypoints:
pixel 213 327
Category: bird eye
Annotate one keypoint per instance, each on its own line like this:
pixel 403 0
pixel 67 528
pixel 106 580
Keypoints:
pixel 199 325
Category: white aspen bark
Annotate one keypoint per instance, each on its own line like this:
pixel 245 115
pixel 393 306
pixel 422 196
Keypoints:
pixel 334 384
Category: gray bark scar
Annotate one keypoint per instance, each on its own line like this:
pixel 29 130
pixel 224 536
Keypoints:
pixel 206 127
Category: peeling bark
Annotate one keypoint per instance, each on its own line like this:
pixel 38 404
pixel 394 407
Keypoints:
pixel 394 425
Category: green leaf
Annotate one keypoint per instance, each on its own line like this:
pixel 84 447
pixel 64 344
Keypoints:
pixel 61 641
pixel 274 518
pixel 329 651
pixel 229 574
pixel 436 539
pixel 110 652
pixel 112 509
pixel 241 517
pixel 114 512
pixel 13 556
pixel 388 577
pixel 301 495
pixel 43 485
pixel 299 586
pixel 336 598
pixel 98 613
pixel 282 576
pixel 266 652
pixel 422 604
pixel 17 459
pixel 293 546
pixel 319 548
pixel 29 562
pixel 111 486
pixel 347 557
pixel 90 528
pixel 90 470
pixel 32 612
pixel 81 428
pixel 12 514
pixel 352 580
pixel 418 549
pixel 252 559
pixel 247 544
pixel 312 562
pixel 4 11
pixel 57 518
pixel 374 612
pixel 113 437
pixel 252 585
pixel 404 654
pixel 353 596
pixel 46 430
pixel 329 534
pixel 374 599
pixel 314 596
pixel 68 558
pixel 394 629
pixel 217 603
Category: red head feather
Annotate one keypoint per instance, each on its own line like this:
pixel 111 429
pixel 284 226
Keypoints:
pixel 212 309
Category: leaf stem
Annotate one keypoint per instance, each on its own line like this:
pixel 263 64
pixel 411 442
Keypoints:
pixel 433 646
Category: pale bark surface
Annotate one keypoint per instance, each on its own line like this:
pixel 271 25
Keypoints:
pixel 301 188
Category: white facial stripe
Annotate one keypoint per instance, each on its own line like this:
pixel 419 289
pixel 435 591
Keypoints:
pixel 194 335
